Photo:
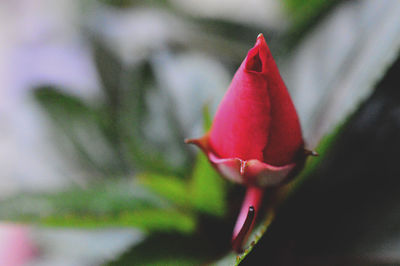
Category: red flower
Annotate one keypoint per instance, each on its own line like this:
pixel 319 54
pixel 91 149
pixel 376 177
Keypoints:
pixel 255 138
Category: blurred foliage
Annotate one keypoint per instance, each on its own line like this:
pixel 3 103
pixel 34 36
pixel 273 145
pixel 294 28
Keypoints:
pixel 206 188
pixel 105 204
pixel 117 122
pixel 304 15
pixel 125 93
pixel 302 12
pixel 151 202
pixel 76 121
pixel 130 3
pixel 172 188
pixel 204 192
pixel 158 204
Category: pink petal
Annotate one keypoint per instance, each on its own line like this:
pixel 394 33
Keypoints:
pixel 16 248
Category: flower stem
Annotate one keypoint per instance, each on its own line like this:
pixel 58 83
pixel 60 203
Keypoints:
pixel 247 216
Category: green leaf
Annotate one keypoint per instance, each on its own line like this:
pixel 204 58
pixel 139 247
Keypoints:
pixel 110 69
pixel 148 153
pixel 204 192
pixel 172 188
pixel 207 119
pixel 78 125
pixel 305 14
pixel 151 220
pixel 120 203
pixel 207 189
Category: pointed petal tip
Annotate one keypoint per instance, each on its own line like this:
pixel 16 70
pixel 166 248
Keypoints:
pixel 198 142
pixel 253 61
pixel 201 142
pixel 256 57
pixel 260 39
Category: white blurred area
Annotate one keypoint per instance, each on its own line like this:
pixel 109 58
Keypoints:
pixel 39 44
pixel 267 13
pixel 43 42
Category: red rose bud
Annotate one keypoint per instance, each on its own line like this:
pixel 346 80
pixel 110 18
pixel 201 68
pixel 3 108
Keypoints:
pixel 255 138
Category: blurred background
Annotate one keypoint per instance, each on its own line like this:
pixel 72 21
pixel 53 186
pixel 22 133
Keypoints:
pixel 96 98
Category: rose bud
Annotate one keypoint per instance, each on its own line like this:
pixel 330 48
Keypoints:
pixel 255 138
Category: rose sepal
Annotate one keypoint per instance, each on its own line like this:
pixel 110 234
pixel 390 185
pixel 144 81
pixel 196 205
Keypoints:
pixel 249 172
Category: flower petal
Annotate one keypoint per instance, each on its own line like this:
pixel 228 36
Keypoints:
pixel 241 125
pixel 285 137
pixel 246 172
pixel 266 175
pixel 252 172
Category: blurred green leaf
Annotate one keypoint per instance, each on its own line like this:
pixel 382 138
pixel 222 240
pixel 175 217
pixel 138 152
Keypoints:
pixel 110 69
pixel 110 136
pixel 204 192
pixel 151 220
pixel 60 104
pixel 207 189
pixel 138 91
pixel 207 119
pixel 302 11
pixel 80 125
pixel 305 14
pixel 126 114
pixel 119 203
pixel 130 3
pixel 172 188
